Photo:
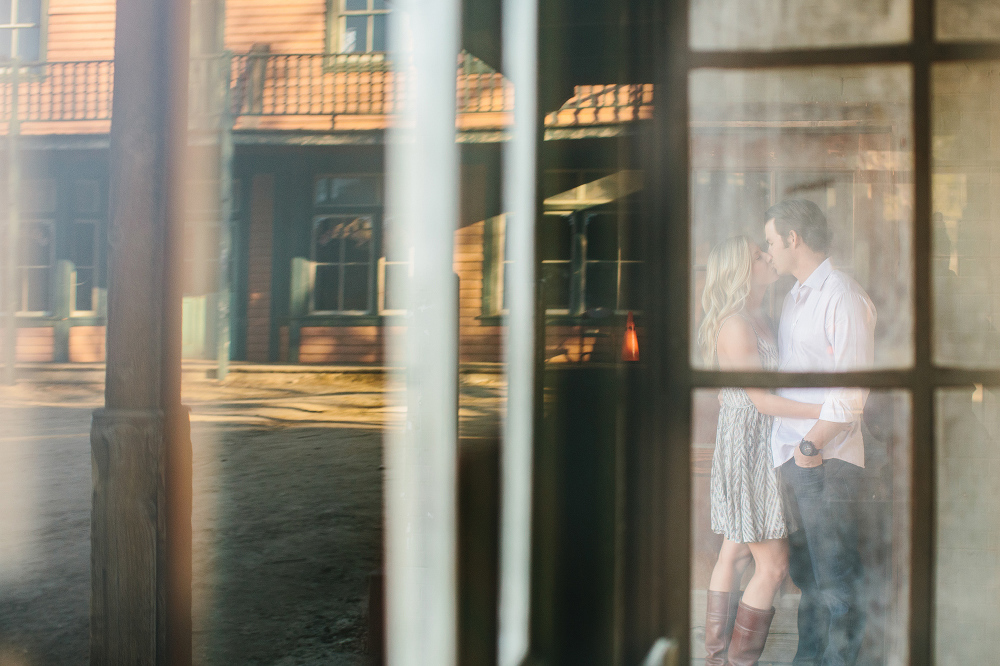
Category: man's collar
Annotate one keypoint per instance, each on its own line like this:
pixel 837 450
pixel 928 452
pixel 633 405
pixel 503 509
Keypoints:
pixel 816 278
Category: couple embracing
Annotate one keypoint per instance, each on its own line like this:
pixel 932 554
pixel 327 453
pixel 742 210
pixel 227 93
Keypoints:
pixel 787 466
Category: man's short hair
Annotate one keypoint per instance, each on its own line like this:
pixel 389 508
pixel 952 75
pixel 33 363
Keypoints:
pixel 805 218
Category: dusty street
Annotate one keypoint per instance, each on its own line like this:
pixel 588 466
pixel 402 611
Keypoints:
pixel 287 516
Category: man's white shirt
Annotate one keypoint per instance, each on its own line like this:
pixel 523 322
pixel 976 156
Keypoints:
pixel 827 325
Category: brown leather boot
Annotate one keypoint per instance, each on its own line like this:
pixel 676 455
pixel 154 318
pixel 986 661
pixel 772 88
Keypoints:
pixel 719 618
pixel 749 635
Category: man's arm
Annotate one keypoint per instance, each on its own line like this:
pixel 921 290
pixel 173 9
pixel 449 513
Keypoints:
pixel 820 434
pixel 853 335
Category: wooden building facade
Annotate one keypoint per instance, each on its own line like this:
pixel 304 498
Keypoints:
pixel 290 103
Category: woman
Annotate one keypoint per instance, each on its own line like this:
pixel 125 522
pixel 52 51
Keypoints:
pixel 746 508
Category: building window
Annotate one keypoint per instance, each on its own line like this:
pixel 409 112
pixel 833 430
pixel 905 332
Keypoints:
pixel 358 26
pixel 588 264
pixel 83 254
pixel 37 258
pixel 21 29
pixel 343 256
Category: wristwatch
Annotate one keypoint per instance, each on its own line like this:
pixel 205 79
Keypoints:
pixel 807 448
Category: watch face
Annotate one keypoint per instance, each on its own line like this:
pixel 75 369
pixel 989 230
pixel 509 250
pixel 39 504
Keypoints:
pixel 808 448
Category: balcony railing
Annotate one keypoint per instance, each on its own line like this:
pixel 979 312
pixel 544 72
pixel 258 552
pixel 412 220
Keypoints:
pixel 57 91
pixel 274 85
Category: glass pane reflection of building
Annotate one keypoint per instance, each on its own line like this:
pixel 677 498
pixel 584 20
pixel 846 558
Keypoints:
pixel 821 538
pixel 839 137
pixel 881 513
pixel 966 241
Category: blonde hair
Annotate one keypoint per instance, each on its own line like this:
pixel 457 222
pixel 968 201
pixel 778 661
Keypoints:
pixel 727 286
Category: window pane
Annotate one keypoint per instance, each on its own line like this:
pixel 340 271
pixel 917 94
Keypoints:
pixel 356 287
pixel 766 24
pixel 556 237
pixel 835 145
pixel 556 279
pixel 36 244
pixel 967 19
pixel 84 288
pixel 355 34
pixel 355 5
pixel 380 4
pixel 349 192
pixel 358 240
pixel 5 11
pixel 602 285
pixel 327 239
pixel 28 11
pixel 28 44
pixel 326 289
pixel 5 42
pixel 966 239
pixel 967 576
pixel 82 239
pixel 745 487
pixel 602 236
pixel 380 27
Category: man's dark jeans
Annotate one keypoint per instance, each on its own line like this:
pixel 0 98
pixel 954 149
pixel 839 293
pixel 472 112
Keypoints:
pixel 824 560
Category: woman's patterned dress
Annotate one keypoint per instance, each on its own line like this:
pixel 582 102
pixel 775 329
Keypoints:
pixel 746 506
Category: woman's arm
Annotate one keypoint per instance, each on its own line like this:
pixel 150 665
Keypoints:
pixel 738 351
pixel 775 405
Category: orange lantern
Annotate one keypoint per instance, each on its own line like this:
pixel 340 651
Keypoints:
pixel 630 345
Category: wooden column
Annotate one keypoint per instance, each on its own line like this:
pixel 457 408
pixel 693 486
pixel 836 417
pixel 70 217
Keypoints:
pixel 140 441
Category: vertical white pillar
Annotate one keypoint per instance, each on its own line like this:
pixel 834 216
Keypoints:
pixel 421 458
pixel 520 56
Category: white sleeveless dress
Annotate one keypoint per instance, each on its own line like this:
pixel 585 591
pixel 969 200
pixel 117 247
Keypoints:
pixel 746 506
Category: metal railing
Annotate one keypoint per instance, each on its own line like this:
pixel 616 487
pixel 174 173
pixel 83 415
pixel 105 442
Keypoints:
pixel 57 91
pixel 268 84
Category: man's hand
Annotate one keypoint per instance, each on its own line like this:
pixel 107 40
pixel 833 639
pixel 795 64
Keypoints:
pixel 808 461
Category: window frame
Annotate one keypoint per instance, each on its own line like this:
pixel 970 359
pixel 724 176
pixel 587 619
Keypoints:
pixel 336 21
pixel 50 223
pixel 43 31
pixel 342 264
pixel 667 523
pixel 94 300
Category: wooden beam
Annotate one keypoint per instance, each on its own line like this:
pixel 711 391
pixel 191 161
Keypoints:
pixel 140 440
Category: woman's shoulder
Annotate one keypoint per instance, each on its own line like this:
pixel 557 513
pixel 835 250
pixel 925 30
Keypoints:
pixel 737 332
pixel 737 325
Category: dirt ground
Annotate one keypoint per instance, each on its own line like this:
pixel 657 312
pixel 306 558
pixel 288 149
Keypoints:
pixel 287 515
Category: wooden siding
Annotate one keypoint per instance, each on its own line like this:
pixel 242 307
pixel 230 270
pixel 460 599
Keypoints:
pixel 86 344
pixel 342 345
pixel 289 26
pixel 81 30
pixel 35 345
pixel 259 272
pixel 476 342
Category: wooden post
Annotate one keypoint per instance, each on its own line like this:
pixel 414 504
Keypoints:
pixel 12 277
pixel 140 441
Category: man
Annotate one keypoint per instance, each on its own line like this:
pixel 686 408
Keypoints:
pixel 827 325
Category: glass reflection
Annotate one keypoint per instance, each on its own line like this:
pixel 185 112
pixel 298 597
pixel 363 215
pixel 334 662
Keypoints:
pixel 966 244
pixel 967 19
pixel 836 138
pixel 796 564
pixel 967 597
pixel 757 24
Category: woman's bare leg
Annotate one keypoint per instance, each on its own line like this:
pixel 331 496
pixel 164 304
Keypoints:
pixel 728 572
pixel 771 568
